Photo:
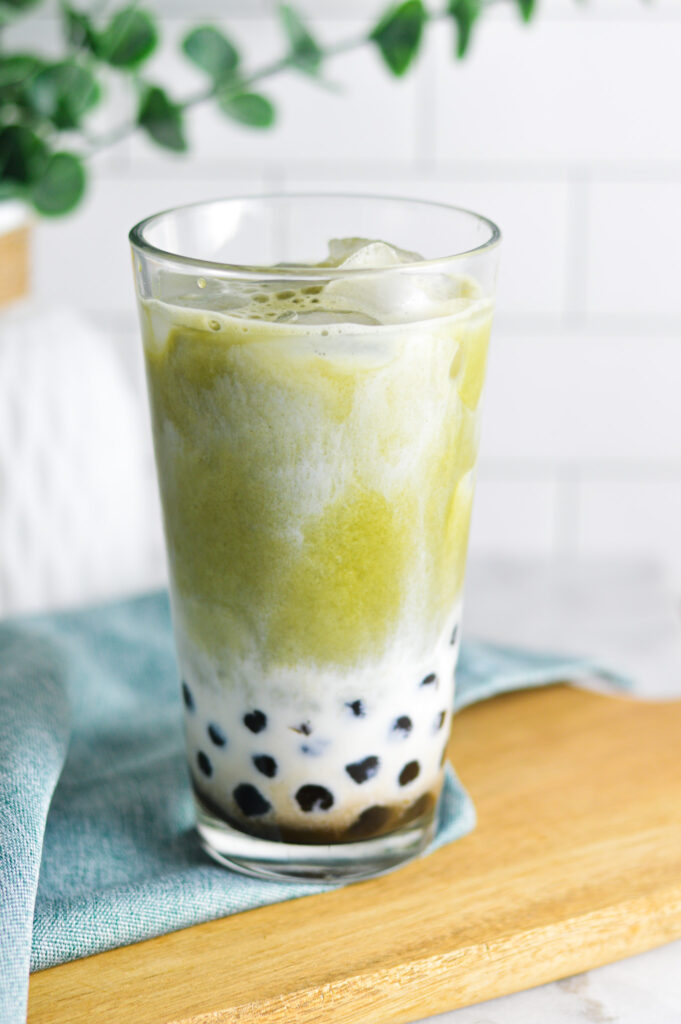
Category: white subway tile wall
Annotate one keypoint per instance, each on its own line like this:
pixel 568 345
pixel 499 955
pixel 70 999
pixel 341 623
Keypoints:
pixel 638 515
pixel 563 131
pixel 645 283
pixel 572 91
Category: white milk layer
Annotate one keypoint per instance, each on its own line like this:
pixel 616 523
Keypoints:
pixel 274 754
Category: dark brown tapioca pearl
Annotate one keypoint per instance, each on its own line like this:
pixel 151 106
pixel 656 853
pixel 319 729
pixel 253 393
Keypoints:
pixel 371 820
pixel 217 735
pixel 305 729
pixel 314 798
pixel 256 721
pixel 420 808
pixel 357 708
pixel 204 764
pixel 187 697
pixel 455 633
pixel 430 680
pixel 362 771
pixel 402 726
pixel 250 800
pixel 439 721
pixel 409 772
pixel 265 764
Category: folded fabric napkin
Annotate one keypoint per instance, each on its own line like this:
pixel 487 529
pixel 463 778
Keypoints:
pixel 97 846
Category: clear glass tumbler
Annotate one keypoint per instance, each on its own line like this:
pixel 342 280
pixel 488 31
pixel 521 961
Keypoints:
pixel 315 411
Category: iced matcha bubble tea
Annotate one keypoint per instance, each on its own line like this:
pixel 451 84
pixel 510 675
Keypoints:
pixel 315 368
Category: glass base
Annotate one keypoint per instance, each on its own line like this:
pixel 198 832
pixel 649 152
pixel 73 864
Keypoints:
pixel 337 862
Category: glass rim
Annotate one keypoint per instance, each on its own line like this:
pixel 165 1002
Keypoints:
pixel 140 243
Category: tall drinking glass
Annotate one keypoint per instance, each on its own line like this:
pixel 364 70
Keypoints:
pixel 315 365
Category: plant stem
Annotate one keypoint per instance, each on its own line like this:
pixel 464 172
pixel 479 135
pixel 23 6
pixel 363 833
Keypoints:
pixel 266 71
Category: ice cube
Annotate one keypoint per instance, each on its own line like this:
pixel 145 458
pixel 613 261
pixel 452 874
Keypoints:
pixel 404 296
pixel 359 253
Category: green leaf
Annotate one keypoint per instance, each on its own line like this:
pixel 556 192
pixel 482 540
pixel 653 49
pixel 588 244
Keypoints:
pixel 527 9
pixel 23 154
pixel 17 69
pixel 211 51
pixel 62 93
pixel 129 39
pixel 248 108
pixel 162 119
pixel 465 13
pixel 60 187
pixel 305 53
pixel 10 190
pixel 9 9
pixel 78 29
pixel 398 34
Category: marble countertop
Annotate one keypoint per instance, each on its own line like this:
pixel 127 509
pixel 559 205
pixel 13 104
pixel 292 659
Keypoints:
pixel 643 989
pixel 625 613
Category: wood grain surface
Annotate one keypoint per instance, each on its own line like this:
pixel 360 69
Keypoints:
pixel 576 861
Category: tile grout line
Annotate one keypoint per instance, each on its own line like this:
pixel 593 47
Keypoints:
pixel 509 469
pixel 577 249
pixel 425 110
pixel 492 171
pixel 415 167
pixel 566 512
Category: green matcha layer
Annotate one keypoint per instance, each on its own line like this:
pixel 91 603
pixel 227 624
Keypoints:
pixel 316 480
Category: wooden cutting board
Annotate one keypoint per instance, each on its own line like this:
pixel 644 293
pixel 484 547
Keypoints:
pixel 576 861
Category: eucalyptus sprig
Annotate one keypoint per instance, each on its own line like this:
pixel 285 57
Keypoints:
pixel 45 104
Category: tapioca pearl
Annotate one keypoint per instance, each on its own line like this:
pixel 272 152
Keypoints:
pixel 204 764
pixel 370 820
pixel 439 721
pixel 250 800
pixel 422 805
pixel 362 771
pixel 402 726
pixel 256 721
pixel 357 707
pixel 305 729
pixel 455 633
pixel 409 773
pixel 265 764
pixel 429 680
pixel 217 735
pixel 314 798
pixel 187 697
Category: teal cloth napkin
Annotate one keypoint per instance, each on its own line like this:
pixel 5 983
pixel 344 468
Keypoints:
pixel 97 847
